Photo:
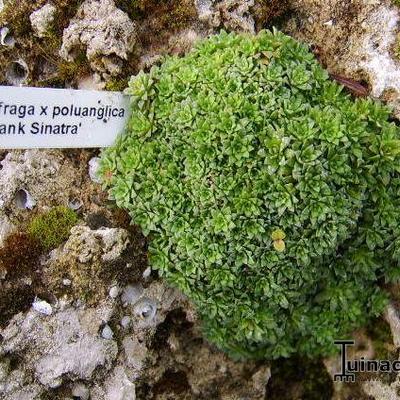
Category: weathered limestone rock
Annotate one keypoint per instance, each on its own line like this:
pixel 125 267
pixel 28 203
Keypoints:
pixel 42 18
pixel 233 15
pixel 105 31
pixel 65 343
pixel 355 39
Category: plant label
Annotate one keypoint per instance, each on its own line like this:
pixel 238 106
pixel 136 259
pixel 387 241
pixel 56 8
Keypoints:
pixel 60 118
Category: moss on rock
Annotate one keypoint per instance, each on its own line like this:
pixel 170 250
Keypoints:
pixel 19 259
pixel 117 85
pixel 52 228
pixel 19 255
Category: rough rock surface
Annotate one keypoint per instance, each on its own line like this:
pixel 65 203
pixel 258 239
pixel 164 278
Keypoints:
pixel 91 82
pixel 48 178
pixel 233 15
pixel 138 339
pixel 67 347
pixel 40 174
pixel 355 39
pixel 105 31
pixel 18 168
pixel 5 228
pixel 42 18
pixel 393 319
pixel 364 348
pixel 379 389
pixel 85 243
pixel 90 261
pixel 66 343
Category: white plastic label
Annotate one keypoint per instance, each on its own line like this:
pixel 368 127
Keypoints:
pixel 60 118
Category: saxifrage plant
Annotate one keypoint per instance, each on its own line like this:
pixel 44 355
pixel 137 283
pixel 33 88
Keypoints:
pixel 270 197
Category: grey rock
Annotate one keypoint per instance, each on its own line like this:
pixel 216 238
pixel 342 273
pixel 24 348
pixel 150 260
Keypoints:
pixel 393 319
pixel 119 387
pixel 86 244
pixel 359 45
pixel 131 294
pixel 42 307
pixel 6 227
pixel 107 333
pixel 17 72
pixel 232 15
pixel 114 292
pixel 75 204
pixel 37 172
pixel 80 391
pixel 24 200
pixel 93 168
pixel 6 39
pixel 147 273
pixel 105 31
pixel 146 309
pixel 42 18
pixel 125 322
pixel 66 342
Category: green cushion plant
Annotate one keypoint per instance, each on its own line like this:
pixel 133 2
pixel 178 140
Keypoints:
pixel 270 197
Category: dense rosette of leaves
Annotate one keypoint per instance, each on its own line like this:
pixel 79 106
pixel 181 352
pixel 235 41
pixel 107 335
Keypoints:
pixel 270 197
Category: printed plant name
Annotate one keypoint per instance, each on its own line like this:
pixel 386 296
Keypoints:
pixel 100 112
